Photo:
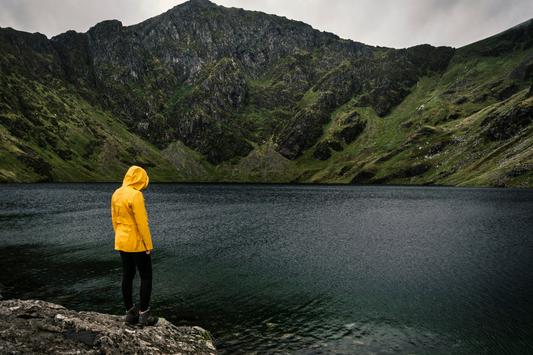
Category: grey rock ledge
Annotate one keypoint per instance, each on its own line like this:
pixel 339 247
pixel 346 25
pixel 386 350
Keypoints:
pixel 38 327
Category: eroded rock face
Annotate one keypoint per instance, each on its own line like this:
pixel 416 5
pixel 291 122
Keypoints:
pixel 503 126
pixel 322 151
pixel 38 327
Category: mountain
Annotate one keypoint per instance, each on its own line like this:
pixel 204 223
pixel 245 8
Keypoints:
pixel 207 93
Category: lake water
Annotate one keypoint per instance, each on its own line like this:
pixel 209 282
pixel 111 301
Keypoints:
pixel 291 269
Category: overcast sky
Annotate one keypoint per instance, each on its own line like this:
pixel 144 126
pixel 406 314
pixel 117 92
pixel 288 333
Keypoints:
pixel 389 23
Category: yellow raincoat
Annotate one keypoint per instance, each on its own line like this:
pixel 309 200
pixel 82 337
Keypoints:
pixel 130 220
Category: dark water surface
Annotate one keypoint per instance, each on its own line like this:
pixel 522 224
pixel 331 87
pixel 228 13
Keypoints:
pixel 275 269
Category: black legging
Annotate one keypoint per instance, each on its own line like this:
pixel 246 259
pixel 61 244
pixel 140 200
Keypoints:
pixel 143 262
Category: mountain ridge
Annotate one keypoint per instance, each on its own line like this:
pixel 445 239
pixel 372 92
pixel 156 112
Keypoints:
pixel 222 88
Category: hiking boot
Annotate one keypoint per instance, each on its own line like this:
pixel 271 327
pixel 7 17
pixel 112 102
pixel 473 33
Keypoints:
pixel 147 319
pixel 132 316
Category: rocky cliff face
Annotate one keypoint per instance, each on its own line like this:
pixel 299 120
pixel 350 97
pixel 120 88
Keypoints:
pixel 225 84
pixel 180 76
pixel 143 72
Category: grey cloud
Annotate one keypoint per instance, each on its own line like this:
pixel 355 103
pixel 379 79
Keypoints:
pixel 53 17
pixel 391 23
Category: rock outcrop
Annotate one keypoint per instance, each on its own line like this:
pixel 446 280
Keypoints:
pixel 38 327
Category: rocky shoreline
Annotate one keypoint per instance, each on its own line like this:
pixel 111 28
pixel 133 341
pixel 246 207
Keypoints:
pixel 38 327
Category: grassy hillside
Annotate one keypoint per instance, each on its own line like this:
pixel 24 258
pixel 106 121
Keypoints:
pixel 469 126
pixel 338 112
pixel 50 133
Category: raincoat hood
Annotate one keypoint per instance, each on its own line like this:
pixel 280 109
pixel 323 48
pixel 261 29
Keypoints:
pixel 137 178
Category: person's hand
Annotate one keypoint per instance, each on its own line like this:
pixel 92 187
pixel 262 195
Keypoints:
pixel 148 252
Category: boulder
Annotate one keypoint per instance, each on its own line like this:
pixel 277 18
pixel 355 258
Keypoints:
pixel 322 151
pixel 461 101
pixel 363 176
pixel 414 170
pixel 38 327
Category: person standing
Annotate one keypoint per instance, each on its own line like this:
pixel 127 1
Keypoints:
pixel 134 242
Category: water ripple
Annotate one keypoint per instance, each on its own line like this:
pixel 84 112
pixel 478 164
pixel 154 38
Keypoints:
pixel 276 269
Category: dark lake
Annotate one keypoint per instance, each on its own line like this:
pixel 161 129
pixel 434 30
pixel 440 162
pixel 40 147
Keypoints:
pixel 292 269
